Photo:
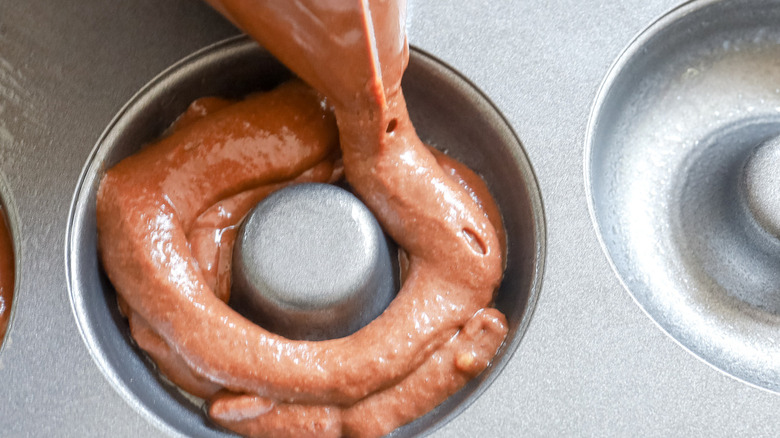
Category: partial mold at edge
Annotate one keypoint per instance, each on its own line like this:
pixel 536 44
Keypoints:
pixel 672 129
pixel 10 230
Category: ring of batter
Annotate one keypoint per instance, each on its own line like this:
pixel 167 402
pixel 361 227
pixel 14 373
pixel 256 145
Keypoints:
pixel 151 263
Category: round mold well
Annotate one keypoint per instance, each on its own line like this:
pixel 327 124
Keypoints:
pixel 675 123
pixel 448 112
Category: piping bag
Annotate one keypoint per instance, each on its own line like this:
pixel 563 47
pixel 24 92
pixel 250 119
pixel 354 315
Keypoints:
pixel 349 50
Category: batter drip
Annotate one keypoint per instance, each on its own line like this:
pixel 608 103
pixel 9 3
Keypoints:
pixel 167 218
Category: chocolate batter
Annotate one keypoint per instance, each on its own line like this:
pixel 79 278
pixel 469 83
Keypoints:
pixel 6 275
pixel 167 218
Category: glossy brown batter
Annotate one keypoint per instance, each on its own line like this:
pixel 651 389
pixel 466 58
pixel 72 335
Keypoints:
pixel 6 275
pixel 167 218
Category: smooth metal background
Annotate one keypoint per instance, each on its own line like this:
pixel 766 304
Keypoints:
pixel 591 362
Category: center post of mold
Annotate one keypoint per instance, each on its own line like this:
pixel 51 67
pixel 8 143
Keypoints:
pixel 762 186
pixel 311 262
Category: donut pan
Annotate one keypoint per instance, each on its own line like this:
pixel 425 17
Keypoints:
pixel 636 157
